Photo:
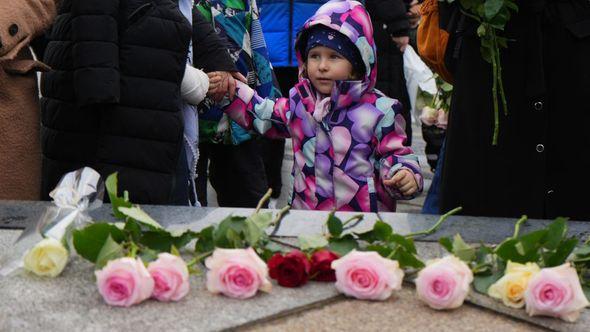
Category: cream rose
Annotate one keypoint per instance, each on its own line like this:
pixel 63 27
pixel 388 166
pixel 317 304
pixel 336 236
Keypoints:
pixel 510 288
pixel 48 258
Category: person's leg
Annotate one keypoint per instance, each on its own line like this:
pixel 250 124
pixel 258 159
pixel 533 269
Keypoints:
pixel 202 172
pixel 181 185
pixel 238 175
pixel 272 153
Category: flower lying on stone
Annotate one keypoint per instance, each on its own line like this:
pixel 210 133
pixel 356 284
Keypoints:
pixel 47 258
pixel 555 292
pixel 237 273
pixel 170 275
pixel 124 282
pixel 321 265
pixel 444 283
pixel 290 270
pixel 510 288
pixel 367 275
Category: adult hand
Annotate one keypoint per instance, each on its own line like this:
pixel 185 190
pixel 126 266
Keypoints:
pixel 414 14
pixel 404 181
pixel 220 84
pixel 401 42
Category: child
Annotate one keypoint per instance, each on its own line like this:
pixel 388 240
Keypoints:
pixel 347 136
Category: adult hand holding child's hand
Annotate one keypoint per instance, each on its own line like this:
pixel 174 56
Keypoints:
pixel 404 181
pixel 222 82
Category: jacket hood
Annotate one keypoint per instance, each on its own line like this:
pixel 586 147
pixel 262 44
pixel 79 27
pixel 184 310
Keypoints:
pixel 352 20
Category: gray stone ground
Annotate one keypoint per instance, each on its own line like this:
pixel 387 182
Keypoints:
pixel 412 206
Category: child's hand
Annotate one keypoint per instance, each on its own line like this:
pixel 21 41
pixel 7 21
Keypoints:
pixel 403 181
pixel 220 84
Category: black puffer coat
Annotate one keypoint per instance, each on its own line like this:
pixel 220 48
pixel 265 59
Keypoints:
pixel 112 100
pixel 539 166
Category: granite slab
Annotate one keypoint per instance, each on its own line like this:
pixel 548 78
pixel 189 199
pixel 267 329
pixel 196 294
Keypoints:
pixel 18 214
pixel 71 302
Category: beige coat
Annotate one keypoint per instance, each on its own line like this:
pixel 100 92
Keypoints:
pixel 20 148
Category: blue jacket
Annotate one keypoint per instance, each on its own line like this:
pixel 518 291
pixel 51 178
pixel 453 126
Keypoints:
pixel 281 20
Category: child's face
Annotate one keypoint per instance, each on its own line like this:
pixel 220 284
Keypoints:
pixel 324 66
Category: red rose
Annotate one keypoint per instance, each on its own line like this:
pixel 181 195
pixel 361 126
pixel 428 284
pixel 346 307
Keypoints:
pixel 291 270
pixel 321 268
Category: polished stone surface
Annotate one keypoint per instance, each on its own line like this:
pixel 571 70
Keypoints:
pixel 71 302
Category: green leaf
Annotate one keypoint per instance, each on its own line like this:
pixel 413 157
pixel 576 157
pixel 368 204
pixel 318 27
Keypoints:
pixel 586 290
pixel 109 251
pixel 315 241
pixel 492 7
pixel 335 226
pixel 116 201
pixel 446 243
pixel 561 253
pixel 227 234
pixel 556 232
pixel 462 250
pixel 382 231
pixel 382 250
pixel 184 239
pixel 343 245
pixel 255 226
pixel 368 236
pixel 160 241
pixel 148 255
pixel 90 240
pixel 407 259
pixel 133 228
pixel 140 215
pixel 407 244
pixel 483 283
pixel 582 251
pixel 205 241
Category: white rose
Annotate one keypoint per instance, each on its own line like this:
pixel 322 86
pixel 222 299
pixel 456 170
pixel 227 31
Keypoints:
pixel 47 258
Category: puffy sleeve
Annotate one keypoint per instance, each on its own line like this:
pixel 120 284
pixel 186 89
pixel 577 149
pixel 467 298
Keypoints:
pixel 266 116
pixel 391 152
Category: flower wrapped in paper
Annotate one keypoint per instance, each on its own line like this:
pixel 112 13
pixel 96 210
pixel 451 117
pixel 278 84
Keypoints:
pixel 42 248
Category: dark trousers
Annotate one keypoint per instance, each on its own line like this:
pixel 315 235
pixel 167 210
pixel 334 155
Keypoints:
pixel 236 172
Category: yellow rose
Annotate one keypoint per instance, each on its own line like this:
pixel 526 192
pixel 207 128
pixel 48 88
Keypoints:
pixel 510 288
pixel 47 258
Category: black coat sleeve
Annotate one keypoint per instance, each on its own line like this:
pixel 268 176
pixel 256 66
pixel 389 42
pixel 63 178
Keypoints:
pixel 95 51
pixel 392 13
pixel 210 51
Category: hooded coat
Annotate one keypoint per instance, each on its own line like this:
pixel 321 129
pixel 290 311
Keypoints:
pixel 20 149
pixel 342 158
pixel 112 100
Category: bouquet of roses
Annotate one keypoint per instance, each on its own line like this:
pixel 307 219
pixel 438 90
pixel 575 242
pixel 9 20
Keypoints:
pixel 44 247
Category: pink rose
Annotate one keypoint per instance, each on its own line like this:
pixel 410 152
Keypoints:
pixel 124 282
pixel 367 275
pixel 444 283
pixel 555 292
pixel 170 276
pixel 236 273
pixel 442 119
pixel 429 116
